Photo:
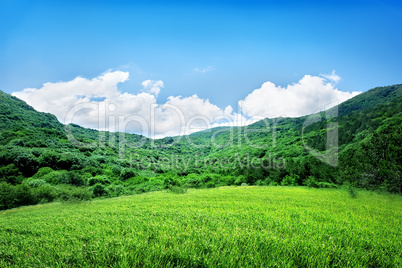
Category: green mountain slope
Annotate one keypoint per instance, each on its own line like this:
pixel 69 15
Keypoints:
pixel 361 146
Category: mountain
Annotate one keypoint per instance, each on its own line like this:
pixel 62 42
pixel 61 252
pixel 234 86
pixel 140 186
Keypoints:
pixel 356 143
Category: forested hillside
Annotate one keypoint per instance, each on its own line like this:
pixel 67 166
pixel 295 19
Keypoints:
pixel 357 143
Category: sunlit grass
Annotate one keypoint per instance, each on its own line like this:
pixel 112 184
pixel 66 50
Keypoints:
pixel 227 226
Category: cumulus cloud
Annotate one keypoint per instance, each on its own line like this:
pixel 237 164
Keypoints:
pixel 58 98
pixel 97 103
pixel 153 87
pixel 311 94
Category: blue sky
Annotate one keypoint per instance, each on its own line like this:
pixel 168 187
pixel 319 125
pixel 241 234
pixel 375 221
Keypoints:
pixel 219 50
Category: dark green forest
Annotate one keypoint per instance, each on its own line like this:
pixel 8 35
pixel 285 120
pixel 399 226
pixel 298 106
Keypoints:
pixel 356 144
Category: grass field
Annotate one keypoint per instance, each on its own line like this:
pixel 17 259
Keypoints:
pixel 228 226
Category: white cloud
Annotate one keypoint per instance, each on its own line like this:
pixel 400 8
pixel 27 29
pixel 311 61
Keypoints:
pixel 153 87
pixel 97 103
pixel 204 70
pixel 58 98
pixel 309 95
pixel 332 77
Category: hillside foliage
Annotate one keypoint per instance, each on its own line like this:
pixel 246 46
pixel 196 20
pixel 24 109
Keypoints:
pixel 41 160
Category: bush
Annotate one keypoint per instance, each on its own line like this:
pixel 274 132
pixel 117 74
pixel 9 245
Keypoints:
pixel 69 160
pixel 72 177
pixel 15 196
pixel 27 164
pixel 35 182
pixel 45 193
pixel 311 182
pixel 136 180
pixel 116 170
pixel 273 183
pixel 240 180
pixel 210 184
pixel 11 174
pixel 127 173
pixel 95 180
pixel 7 193
pixel 155 184
pixel 140 188
pixel 42 172
pixel 99 190
pixel 72 193
pixel 94 171
pixel 193 181
pixel 116 190
pixel 289 181
pixel 267 181
pixel 53 177
pixel 228 180
pixel 23 196
pixel 49 159
pixel 259 183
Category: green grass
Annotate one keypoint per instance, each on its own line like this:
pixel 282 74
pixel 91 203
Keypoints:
pixel 228 226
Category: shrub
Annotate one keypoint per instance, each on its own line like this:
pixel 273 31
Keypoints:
pixel 69 160
pixel 311 182
pixel 27 164
pixel 210 184
pixel 136 180
pixel 72 177
pixel 72 193
pixel 7 193
pixel 116 170
pixel 140 188
pixel 127 173
pixel 53 176
pixel 49 159
pixel 228 180
pixel 99 190
pixel 15 196
pixel 289 181
pixel 273 183
pixel 45 193
pixel 94 171
pixel 155 184
pixel 267 181
pixel 193 181
pixel 35 182
pixel 240 179
pixel 95 180
pixel 116 190
pixel 11 174
pixel 42 172
pixel 259 183
pixel 24 196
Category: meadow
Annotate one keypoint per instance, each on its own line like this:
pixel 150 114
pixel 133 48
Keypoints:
pixel 220 227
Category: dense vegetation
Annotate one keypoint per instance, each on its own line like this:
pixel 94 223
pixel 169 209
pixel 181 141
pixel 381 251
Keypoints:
pixel 221 227
pixel 42 160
